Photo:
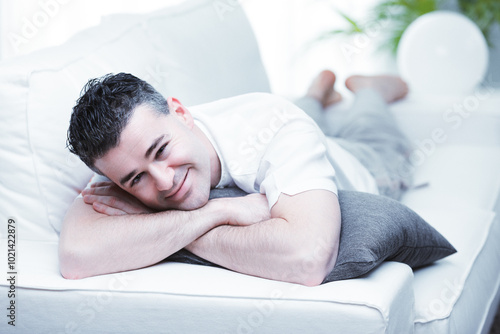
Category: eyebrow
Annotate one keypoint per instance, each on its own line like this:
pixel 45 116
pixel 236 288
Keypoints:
pixel 153 146
pixel 155 143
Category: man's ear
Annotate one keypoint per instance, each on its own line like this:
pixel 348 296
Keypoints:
pixel 177 109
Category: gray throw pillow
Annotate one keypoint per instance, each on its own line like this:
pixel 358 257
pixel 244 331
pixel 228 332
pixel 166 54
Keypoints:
pixel 374 229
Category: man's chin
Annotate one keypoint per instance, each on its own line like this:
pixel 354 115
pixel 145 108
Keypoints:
pixel 191 206
pixel 194 203
pixel 188 205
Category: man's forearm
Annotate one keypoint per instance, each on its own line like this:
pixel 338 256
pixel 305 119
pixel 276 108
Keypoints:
pixel 99 244
pixel 295 245
pixel 271 249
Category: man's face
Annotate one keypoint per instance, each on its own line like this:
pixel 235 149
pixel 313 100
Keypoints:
pixel 160 160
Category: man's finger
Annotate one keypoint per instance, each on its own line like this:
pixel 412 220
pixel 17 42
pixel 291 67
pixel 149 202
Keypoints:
pixel 112 202
pixel 101 184
pixel 89 199
pixel 107 210
pixel 108 200
pixel 101 190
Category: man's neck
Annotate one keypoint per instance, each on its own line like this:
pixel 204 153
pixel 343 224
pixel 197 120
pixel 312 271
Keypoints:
pixel 215 165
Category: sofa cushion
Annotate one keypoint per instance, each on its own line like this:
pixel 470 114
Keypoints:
pixel 198 299
pixel 462 289
pixel 374 228
pixel 457 176
pixel 40 178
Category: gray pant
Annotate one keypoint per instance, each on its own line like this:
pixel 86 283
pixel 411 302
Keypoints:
pixel 369 132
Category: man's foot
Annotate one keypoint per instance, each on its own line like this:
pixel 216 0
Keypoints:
pixel 322 89
pixel 391 88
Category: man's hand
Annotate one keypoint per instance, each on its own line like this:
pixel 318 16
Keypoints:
pixel 244 210
pixel 109 199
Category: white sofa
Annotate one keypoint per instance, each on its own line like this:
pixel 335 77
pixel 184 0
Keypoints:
pixel 198 52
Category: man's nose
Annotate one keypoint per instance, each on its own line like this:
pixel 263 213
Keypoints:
pixel 163 177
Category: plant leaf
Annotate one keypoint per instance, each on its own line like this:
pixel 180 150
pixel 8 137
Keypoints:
pixel 354 25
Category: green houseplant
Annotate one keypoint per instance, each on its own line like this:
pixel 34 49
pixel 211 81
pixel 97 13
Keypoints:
pixel 484 13
pixel 401 13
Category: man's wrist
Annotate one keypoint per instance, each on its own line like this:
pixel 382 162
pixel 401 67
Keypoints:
pixel 215 212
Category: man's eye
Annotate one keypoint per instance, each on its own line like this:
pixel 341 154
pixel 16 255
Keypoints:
pixel 136 179
pixel 160 151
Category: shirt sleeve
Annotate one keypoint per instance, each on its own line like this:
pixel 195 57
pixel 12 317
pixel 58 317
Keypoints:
pixel 295 161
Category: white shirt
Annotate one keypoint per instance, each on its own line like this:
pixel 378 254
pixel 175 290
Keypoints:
pixel 268 145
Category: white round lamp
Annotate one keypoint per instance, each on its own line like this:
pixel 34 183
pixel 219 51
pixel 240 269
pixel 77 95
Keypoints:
pixel 442 53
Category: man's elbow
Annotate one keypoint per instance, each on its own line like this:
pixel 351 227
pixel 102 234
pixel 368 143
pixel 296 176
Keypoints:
pixel 71 263
pixel 312 277
pixel 313 267
pixel 68 273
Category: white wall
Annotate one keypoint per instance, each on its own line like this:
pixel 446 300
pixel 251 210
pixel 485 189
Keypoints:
pixel 283 28
pixel 286 28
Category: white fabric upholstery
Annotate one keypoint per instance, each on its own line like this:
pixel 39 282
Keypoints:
pixel 458 292
pixel 182 298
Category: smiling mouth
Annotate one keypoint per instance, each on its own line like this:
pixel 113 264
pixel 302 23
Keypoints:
pixel 180 184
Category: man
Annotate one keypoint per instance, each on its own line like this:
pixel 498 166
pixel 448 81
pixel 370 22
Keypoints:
pixel 162 160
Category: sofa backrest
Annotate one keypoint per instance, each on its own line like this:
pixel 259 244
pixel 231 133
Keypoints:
pixel 196 51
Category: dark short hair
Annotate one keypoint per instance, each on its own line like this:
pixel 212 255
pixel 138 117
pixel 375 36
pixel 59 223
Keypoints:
pixel 104 109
